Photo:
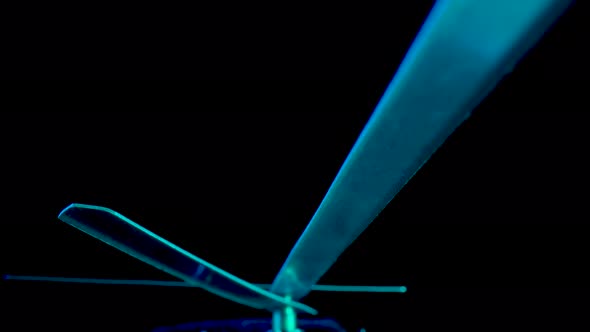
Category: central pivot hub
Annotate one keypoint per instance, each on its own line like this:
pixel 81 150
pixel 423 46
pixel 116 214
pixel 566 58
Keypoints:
pixel 285 319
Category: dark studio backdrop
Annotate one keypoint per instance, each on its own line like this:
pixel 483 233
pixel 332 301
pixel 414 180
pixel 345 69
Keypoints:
pixel 490 234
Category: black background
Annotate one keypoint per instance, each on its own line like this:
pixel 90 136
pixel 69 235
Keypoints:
pixel 491 233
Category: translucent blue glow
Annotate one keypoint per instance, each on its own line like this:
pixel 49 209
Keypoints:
pixel 462 51
pixel 130 282
pixel 318 325
pixel 129 237
pixel 162 283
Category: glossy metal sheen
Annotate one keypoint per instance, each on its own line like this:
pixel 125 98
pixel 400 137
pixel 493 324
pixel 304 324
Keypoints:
pixel 462 51
pixel 129 237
